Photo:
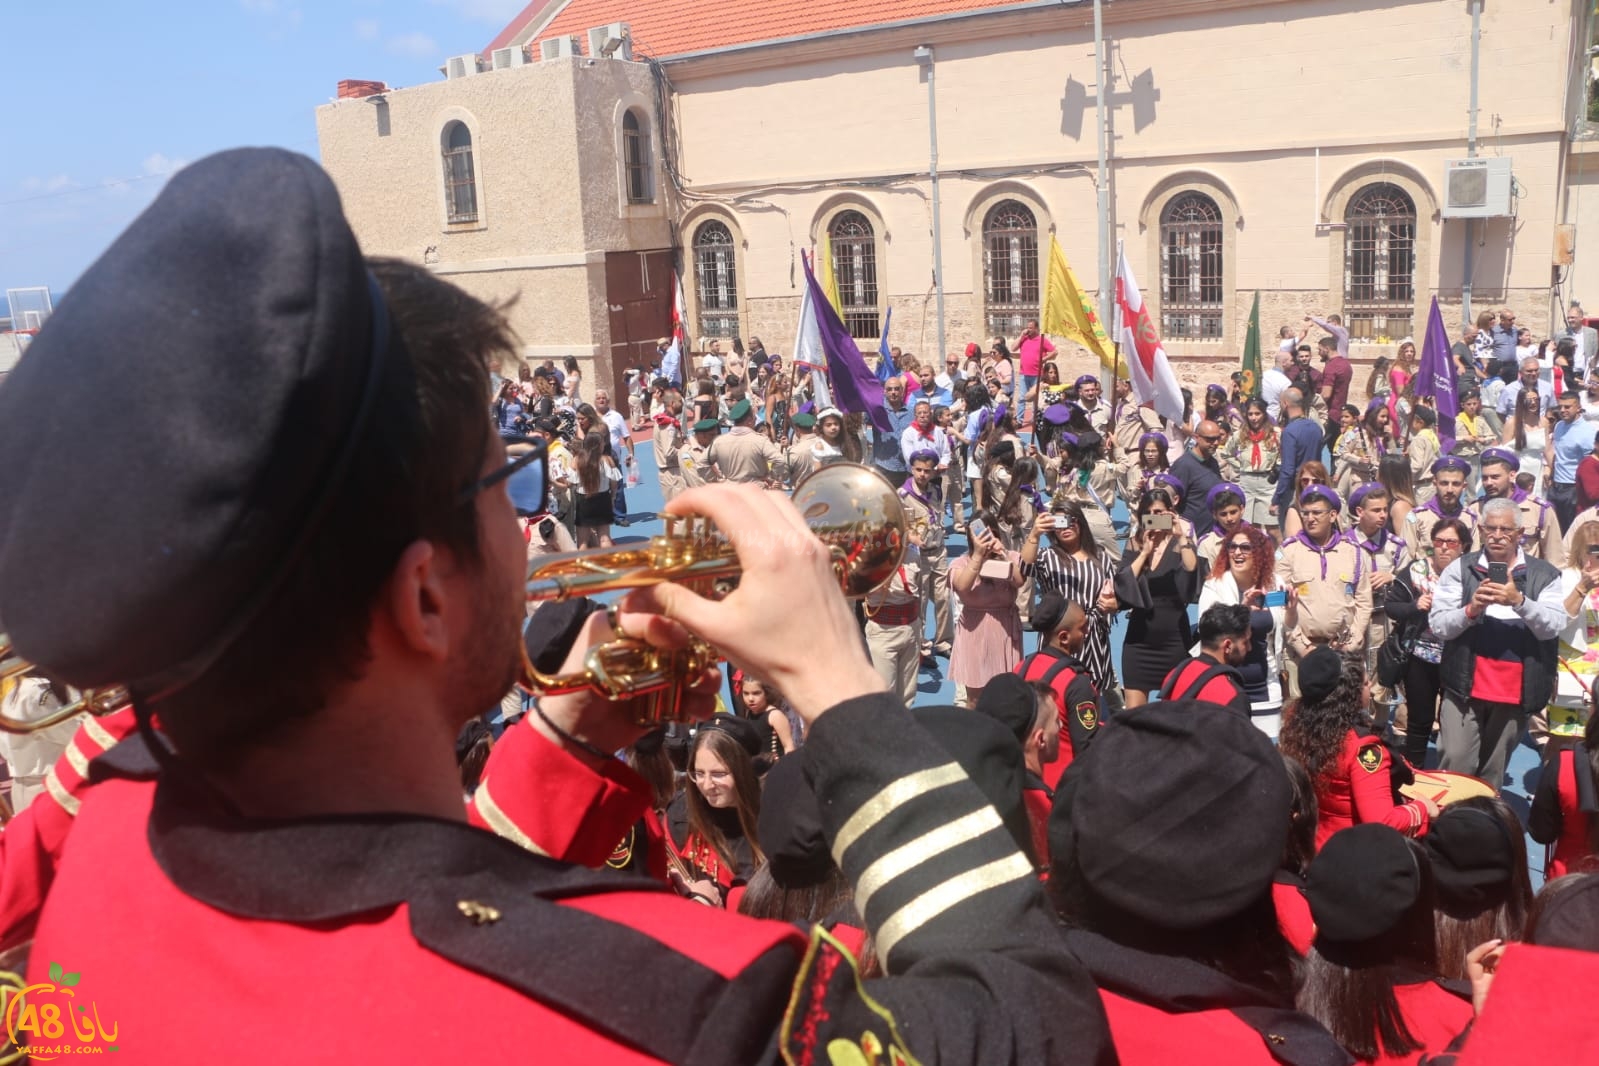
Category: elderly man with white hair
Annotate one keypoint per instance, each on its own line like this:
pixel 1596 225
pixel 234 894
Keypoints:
pixel 1499 612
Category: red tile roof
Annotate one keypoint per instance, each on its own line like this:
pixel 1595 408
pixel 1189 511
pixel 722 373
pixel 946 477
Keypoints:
pixel 662 28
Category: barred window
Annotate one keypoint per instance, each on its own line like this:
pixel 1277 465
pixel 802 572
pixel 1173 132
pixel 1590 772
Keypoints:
pixel 855 268
pixel 636 159
pixel 1010 268
pixel 1191 268
pixel 460 180
pixel 715 280
pixel 1380 263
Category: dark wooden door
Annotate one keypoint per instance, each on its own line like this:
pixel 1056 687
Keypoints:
pixel 638 293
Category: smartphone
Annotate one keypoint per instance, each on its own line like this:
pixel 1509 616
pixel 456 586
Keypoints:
pixel 1499 573
pixel 1158 521
pixel 1279 598
pixel 976 530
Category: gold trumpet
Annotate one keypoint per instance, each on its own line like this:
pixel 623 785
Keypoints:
pixel 98 702
pixel 852 509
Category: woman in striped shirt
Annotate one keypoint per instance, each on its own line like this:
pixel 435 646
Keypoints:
pixel 1075 566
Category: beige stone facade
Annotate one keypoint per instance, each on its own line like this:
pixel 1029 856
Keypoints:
pixel 1280 113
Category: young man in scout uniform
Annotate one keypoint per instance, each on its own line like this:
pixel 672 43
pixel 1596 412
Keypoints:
pixel 1329 592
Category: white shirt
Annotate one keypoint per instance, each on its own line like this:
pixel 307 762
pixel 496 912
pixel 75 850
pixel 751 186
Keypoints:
pixel 1272 384
pixel 713 363
pixel 620 445
pixel 912 441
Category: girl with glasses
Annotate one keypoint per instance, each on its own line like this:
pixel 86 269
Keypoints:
pixel 1139 465
pixel 1244 573
pixel 711 823
pixel 1308 474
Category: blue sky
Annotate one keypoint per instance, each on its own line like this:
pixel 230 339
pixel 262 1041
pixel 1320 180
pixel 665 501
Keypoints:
pixel 104 98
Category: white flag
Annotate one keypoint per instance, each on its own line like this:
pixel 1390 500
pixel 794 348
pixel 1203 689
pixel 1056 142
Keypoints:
pixel 1150 370
pixel 808 353
pixel 672 361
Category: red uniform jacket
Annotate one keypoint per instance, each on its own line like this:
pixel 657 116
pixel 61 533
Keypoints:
pixel 1434 1016
pixel 1358 788
pixel 1188 680
pixel 192 933
pixel 1293 911
pixel 1039 799
pixel 1517 1024
pixel 1076 699
pixel 1561 808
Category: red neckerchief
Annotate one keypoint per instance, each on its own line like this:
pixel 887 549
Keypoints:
pixel 1254 440
pixel 667 420
pixel 927 434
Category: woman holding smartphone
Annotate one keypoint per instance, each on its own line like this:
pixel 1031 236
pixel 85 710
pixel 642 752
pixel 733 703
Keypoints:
pixel 1157 587
pixel 1245 573
pixel 1409 602
pixel 988 634
pixel 1062 555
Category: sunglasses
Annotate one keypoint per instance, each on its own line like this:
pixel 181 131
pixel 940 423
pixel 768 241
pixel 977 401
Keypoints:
pixel 1210 440
pixel 1311 481
pixel 1241 546
pixel 1446 542
pixel 528 474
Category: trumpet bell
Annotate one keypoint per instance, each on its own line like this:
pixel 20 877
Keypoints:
pixel 855 512
pixel 98 702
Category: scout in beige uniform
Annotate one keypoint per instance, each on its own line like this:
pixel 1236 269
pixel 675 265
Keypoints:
pixel 1449 482
pixel 668 442
pixel 1540 530
pixel 1423 450
pixel 694 457
pixel 745 455
pixel 924 513
pixel 892 615
pixel 803 456
pixel 1225 502
pixel 1329 591
pixel 1382 555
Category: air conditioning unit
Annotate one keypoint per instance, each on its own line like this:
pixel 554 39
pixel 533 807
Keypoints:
pixel 560 48
pixel 1477 188
pixel 505 58
pixel 462 66
pixel 614 41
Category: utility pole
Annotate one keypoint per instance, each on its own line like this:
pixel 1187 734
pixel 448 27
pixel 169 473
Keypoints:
pixel 1106 268
pixel 1471 153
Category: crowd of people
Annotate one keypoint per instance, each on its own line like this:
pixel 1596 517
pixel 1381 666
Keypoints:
pixel 1207 851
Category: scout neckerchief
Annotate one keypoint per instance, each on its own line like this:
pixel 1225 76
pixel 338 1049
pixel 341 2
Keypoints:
pixel 1375 548
pixel 1255 441
pixel 1321 552
pixel 910 491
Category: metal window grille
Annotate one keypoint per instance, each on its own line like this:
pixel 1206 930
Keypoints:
pixel 855 268
pixel 1010 268
pixel 636 160
pixel 460 183
pixel 716 280
pixel 1191 268
pixel 1380 263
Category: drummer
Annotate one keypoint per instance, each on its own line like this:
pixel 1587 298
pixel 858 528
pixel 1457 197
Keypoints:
pixel 1330 735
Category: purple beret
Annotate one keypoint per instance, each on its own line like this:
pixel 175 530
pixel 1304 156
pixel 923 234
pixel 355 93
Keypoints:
pixel 1169 482
pixel 1358 496
pixel 1086 379
pixel 1220 490
pixel 1501 455
pixel 1158 438
pixel 1321 492
pixel 1451 462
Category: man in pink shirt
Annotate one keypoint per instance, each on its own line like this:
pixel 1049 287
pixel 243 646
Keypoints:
pixel 1031 347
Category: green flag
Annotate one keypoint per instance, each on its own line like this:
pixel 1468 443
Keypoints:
pixel 1250 386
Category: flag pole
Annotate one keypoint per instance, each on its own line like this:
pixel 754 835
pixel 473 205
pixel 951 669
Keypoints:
pixel 1116 345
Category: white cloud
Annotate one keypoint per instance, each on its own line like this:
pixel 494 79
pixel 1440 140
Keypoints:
pixel 498 12
pixel 51 184
pixel 366 29
pixel 157 163
pixel 287 14
pixel 416 45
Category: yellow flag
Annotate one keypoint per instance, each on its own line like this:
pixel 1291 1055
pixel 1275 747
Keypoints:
pixel 824 273
pixel 1068 313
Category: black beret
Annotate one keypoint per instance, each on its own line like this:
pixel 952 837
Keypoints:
pixel 1177 814
pixel 1010 701
pixel 790 827
pixel 1319 674
pixel 1473 860
pixel 553 629
pixel 183 418
pixel 1361 883
pixel 743 730
pixel 1047 613
pixel 991 757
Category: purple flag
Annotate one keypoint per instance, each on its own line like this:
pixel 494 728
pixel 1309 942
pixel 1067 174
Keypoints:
pixel 855 387
pixel 1435 377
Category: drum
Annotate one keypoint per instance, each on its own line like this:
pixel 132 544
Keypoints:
pixel 1444 787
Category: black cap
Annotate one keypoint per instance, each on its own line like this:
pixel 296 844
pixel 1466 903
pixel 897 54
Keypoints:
pixel 1047 613
pixel 1319 674
pixel 1473 860
pixel 1010 701
pixel 182 420
pixel 790 827
pixel 1361 883
pixel 1177 814
pixel 553 629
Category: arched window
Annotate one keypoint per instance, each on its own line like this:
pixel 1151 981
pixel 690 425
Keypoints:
pixel 1380 263
pixel 715 280
pixel 636 158
pixel 1010 268
pixel 460 179
pixel 1190 268
pixel 855 268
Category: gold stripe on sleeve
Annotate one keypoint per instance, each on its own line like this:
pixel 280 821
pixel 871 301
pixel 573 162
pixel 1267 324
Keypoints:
pixel 886 801
pixel 935 901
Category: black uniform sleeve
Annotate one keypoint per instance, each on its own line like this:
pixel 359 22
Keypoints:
pixel 1082 714
pixel 1401 606
pixel 978 970
pixel 1543 820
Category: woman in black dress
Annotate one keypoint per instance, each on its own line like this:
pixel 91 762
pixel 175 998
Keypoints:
pixel 1156 587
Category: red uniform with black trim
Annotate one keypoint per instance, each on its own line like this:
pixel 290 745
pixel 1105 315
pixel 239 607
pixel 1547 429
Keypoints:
pixel 1358 788
pixel 1435 1017
pixel 1207 679
pixel 1039 799
pixel 1561 808
pixel 1076 699
pixel 197 933
pixel 1293 911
